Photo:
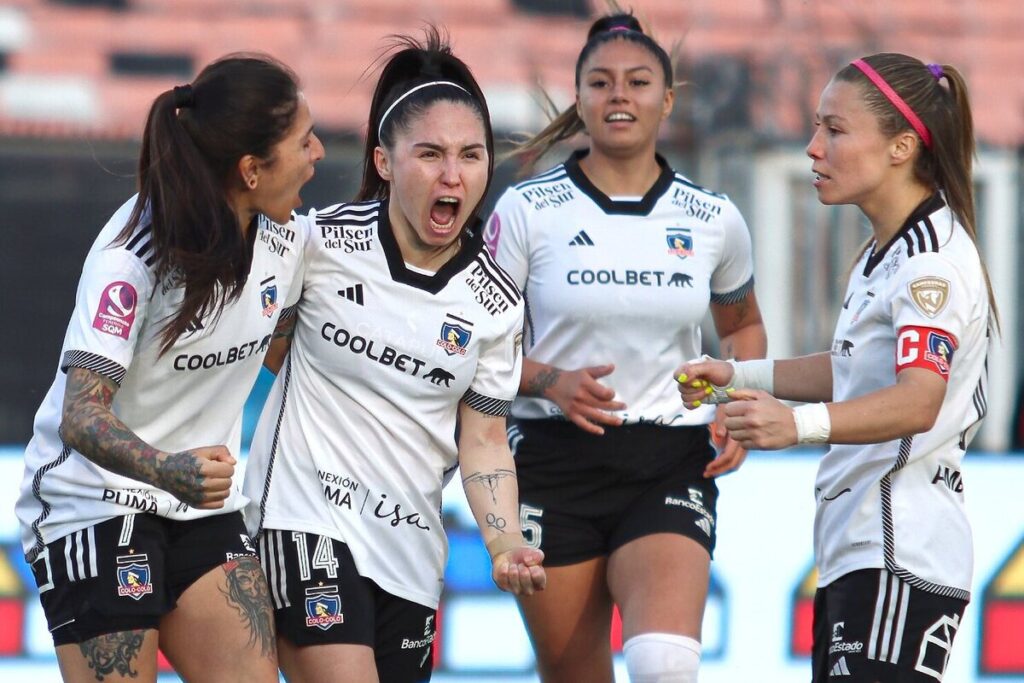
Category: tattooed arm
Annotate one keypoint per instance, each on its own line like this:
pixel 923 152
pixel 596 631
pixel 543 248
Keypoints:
pixel 200 477
pixel 578 394
pixel 281 342
pixel 489 479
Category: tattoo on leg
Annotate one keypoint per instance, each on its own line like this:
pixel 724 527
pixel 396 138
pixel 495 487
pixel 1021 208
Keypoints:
pixel 113 653
pixel 247 592
pixel 489 480
pixel 542 381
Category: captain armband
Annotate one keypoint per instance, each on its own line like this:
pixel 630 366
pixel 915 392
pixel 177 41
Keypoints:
pixel 927 348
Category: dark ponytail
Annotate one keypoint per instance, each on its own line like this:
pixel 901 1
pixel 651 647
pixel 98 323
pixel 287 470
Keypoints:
pixel 946 162
pixel 398 99
pixel 194 137
pixel 568 123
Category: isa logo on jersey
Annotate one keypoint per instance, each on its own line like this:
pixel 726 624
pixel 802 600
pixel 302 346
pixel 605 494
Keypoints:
pixel 133 576
pixel 323 607
pixel 455 335
pixel 940 351
pixel 116 312
pixel 680 241
pixel 268 297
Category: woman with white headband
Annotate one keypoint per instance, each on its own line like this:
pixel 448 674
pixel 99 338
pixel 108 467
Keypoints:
pixel 405 327
pixel 902 390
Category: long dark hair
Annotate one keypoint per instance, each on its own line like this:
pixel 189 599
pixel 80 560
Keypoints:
pixel 620 26
pixel 946 163
pixel 416 63
pixel 195 135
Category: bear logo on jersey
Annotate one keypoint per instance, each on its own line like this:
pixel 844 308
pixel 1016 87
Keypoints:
pixel 455 335
pixel 116 313
pixel 680 241
pixel 133 576
pixel 929 294
pixel 323 607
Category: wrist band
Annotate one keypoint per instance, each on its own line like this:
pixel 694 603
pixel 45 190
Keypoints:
pixel 813 424
pixel 754 374
pixel 505 542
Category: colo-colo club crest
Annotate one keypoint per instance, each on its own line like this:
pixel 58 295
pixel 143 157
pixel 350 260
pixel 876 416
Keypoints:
pixel 268 297
pixel 133 576
pixel 680 241
pixel 323 607
pixel 455 335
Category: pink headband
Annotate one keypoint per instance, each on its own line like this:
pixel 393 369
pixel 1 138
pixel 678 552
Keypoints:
pixel 897 101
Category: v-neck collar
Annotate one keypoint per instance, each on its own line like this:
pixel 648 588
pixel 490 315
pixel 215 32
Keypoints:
pixel 641 207
pixel 472 242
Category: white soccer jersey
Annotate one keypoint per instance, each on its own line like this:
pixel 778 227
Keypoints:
pixel 900 504
pixel 358 433
pixel 620 281
pixel 189 397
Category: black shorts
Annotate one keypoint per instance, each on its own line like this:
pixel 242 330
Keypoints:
pixel 127 572
pixel 320 599
pixel 583 496
pixel 870 626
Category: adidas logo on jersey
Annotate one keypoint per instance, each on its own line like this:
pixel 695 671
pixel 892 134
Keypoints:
pixel 840 669
pixel 704 525
pixel 582 239
pixel 353 294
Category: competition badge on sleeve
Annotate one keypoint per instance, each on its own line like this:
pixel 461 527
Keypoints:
pixel 323 607
pixel 929 294
pixel 680 241
pixel 455 335
pixel 116 312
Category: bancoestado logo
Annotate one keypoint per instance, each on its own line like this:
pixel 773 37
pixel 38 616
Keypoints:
pixel 234 354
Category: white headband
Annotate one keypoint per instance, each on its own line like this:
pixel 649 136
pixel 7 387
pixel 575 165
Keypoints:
pixel 380 126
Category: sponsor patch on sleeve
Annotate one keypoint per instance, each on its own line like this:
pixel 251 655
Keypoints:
pixel 925 347
pixel 115 314
pixel 929 294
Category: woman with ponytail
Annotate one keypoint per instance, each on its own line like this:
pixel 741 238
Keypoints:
pixel 620 259
pixel 130 519
pixel 902 391
pixel 406 328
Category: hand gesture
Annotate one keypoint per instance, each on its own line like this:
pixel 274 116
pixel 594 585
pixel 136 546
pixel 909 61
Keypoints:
pixel 694 378
pixel 730 453
pixel 200 477
pixel 519 571
pixel 756 419
pixel 585 401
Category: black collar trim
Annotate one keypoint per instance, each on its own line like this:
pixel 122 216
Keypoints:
pixel 609 205
pixel 472 243
pixel 921 213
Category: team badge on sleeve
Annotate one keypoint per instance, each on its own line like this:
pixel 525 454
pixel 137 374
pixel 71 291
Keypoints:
pixel 929 294
pixel 323 607
pixel 455 335
pixel 680 241
pixel 116 312
pixel 492 232
pixel 133 576
pixel 925 347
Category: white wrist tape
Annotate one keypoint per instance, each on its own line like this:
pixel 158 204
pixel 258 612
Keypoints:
pixel 813 424
pixel 754 374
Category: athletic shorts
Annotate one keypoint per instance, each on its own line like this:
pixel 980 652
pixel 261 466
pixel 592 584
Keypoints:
pixel 127 572
pixel 583 496
pixel 870 626
pixel 320 599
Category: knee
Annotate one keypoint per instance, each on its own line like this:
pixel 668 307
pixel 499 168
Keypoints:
pixel 662 658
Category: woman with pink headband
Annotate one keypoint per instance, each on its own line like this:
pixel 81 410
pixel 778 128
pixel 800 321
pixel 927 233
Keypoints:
pixel 903 390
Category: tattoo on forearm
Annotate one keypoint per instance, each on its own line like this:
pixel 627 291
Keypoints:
pixel 93 430
pixel 727 350
pixel 114 653
pixel 489 480
pixel 247 592
pixel 495 522
pixel 542 381
pixel 286 327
